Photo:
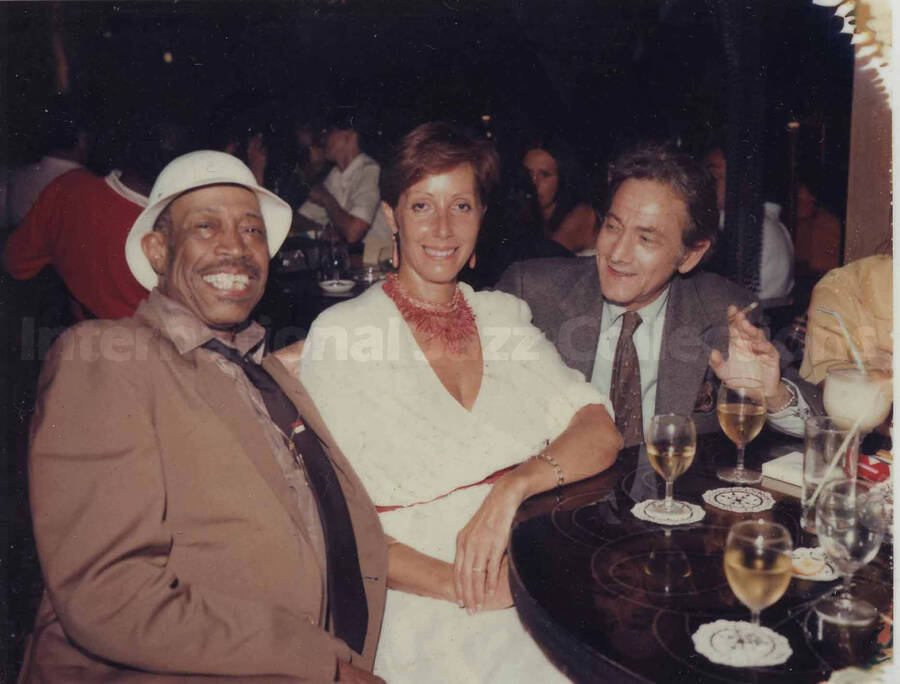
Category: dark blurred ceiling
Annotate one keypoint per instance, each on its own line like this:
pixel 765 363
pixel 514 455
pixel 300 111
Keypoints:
pixel 602 72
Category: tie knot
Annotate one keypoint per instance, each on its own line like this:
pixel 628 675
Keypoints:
pixel 630 321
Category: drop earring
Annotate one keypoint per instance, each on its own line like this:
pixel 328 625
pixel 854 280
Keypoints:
pixel 395 251
pixel 472 260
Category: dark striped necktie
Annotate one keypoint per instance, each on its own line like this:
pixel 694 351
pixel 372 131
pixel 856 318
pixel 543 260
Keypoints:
pixel 346 594
pixel 625 388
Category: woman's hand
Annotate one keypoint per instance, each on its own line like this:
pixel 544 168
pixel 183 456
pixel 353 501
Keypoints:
pixel 481 545
pixel 502 598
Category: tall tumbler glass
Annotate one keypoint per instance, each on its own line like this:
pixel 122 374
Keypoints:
pixel 823 437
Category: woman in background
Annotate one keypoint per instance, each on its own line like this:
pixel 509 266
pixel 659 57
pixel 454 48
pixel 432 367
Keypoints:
pixel 559 208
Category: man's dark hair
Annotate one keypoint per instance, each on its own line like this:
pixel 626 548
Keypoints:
pixel 683 175
pixel 352 119
pixel 438 147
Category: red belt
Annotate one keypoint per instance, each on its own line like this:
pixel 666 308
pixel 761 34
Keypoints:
pixel 490 479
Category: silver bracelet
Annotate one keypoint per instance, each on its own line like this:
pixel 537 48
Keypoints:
pixel 792 400
pixel 547 458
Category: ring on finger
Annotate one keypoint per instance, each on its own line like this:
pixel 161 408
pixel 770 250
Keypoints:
pixel 477 569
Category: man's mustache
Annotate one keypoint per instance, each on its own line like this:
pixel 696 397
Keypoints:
pixel 242 263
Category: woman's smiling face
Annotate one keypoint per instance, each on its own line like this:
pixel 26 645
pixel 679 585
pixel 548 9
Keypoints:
pixel 438 220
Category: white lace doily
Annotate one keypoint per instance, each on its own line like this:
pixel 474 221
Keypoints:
pixel 739 499
pixel 741 644
pixel 682 515
pixel 813 564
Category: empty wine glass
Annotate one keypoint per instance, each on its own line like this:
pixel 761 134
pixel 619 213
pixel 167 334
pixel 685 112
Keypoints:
pixel 671 442
pixel 758 563
pixel 741 407
pixel 850 523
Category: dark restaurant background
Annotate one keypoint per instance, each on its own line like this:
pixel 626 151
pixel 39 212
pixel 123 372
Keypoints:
pixel 602 73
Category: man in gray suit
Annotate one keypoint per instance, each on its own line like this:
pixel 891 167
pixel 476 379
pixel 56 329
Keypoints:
pixel 637 322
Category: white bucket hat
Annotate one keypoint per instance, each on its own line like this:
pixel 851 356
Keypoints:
pixel 196 170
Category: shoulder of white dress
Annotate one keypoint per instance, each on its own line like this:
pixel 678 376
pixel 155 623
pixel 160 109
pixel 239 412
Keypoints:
pixel 497 306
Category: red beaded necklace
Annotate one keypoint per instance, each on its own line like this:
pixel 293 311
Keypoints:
pixel 452 323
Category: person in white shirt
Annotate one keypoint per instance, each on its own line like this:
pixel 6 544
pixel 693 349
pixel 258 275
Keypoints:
pixel 776 263
pixel 348 199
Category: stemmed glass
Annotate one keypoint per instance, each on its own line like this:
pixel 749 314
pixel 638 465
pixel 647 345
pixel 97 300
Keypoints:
pixel 741 407
pixel 671 442
pixel 758 563
pixel 850 522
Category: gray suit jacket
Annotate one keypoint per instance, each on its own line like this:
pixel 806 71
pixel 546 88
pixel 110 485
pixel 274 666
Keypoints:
pixel 566 304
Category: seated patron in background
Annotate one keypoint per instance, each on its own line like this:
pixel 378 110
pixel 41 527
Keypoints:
pixel 633 321
pixel 453 408
pixel 80 222
pixel 817 243
pixel 861 293
pixel 776 262
pixel 67 142
pixel 559 209
pixel 192 513
pixel 349 198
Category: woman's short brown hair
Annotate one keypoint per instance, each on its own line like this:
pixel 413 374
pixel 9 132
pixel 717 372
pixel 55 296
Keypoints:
pixel 438 147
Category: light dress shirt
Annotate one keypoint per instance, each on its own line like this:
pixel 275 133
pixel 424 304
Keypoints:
pixel 776 261
pixel 188 333
pixel 648 343
pixel 356 191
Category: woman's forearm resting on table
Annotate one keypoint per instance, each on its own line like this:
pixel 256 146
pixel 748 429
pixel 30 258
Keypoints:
pixel 588 446
pixel 415 573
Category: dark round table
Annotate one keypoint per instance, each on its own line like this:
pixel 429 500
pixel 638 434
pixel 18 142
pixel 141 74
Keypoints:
pixel 612 598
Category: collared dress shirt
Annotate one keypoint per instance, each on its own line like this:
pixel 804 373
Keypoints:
pixel 648 343
pixel 188 334
pixel 356 191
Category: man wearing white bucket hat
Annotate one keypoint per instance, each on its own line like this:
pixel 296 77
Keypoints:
pixel 192 513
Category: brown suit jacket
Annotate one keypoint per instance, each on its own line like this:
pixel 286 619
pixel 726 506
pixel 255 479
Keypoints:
pixel 168 537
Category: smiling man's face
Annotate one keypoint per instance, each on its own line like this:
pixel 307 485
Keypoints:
pixel 213 257
pixel 639 248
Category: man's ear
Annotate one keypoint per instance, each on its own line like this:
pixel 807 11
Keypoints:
pixel 389 216
pixel 156 248
pixel 692 256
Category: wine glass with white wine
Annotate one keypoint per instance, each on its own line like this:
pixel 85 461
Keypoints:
pixel 741 407
pixel 758 563
pixel 850 522
pixel 671 442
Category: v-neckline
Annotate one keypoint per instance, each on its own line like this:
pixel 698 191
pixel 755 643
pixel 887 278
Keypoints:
pixel 417 347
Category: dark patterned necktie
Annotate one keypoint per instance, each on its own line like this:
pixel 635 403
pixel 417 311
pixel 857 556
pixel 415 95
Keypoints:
pixel 346 594
pixel 625 388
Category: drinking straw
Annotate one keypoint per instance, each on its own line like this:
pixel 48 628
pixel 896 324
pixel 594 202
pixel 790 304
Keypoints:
pixel 843 447
pixel 840 319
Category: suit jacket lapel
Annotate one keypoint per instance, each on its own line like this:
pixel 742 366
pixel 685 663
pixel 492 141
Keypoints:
pixel 584 302
pixel 684 354
pixel 218 390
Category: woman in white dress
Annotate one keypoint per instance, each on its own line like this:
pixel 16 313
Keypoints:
pixel 453 409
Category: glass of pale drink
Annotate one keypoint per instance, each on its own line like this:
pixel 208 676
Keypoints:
pixel 853 395
pixel 671 442
pixel 741 407
pixel 823 437
pixel 758 563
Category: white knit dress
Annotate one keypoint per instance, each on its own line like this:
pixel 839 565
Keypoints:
pixel 412 444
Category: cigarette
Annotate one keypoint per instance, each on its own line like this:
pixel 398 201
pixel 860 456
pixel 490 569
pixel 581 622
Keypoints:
pixel 747 309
